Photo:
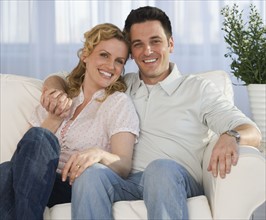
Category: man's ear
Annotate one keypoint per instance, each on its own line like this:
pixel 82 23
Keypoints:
pixel 171 44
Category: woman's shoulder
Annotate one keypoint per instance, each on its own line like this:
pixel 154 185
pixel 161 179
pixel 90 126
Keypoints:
pixel 119 96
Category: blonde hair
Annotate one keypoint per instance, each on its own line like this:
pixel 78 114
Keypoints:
pixel 93 37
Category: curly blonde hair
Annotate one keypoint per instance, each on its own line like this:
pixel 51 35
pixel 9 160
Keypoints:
pixel 93 37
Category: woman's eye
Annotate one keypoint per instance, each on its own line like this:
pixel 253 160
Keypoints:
pixel 104 55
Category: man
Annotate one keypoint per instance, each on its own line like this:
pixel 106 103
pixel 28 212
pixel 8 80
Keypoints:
pixel 177 114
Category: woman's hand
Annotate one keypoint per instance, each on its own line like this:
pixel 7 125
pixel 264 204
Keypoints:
pixel 119 160
pixel 56 102
pixel 80 161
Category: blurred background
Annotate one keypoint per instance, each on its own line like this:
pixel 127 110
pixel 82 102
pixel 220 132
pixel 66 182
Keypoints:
pixel 40 37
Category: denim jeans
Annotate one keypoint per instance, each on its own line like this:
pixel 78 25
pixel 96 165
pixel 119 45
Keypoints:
pixel 164 186
pixel 27 180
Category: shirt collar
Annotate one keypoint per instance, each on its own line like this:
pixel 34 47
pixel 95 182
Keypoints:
pixel 169 84
pixel 172 81
pixel 80 98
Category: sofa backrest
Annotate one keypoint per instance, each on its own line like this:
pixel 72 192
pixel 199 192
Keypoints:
pixel 20 94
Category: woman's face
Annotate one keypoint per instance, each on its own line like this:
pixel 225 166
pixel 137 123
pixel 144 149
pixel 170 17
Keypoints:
pixel 105 64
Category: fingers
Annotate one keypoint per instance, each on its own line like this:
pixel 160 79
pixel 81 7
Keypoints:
pixel 56 102
pixel 63 106
pixel 213 165
pixel 235 157
pixel 66 169
pixel 222 163
pixel 76 168
pixel 73 168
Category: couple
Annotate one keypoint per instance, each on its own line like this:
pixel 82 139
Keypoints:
pixel 174 130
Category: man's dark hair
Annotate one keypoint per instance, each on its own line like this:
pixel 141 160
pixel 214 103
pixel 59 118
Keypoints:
pixel 148 13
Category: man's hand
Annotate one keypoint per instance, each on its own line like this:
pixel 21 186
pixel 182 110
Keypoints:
pixel 56 102
pixel 224 155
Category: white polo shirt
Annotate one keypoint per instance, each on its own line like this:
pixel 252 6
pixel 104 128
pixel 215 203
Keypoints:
pixel 176 116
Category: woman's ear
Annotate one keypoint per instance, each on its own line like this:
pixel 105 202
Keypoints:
pixel 83 55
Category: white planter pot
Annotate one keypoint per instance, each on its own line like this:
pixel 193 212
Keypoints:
pixel 257 100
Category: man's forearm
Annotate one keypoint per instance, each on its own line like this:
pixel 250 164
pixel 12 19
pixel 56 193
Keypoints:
pixel 249 135
pixel 55 82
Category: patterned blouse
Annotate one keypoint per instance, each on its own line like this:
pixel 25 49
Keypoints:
pixel 95 124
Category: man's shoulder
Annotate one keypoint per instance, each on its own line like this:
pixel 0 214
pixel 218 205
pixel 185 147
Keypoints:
pixel 61 74
pixel 130 78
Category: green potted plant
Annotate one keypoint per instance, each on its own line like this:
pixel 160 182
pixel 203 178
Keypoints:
pixel 247 49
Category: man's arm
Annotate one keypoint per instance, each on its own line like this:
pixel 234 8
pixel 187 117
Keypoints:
pixel 55 82
pixel 225 151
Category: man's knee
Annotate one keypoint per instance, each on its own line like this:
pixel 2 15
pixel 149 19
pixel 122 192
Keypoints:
pixel 162 170
pixel 93 175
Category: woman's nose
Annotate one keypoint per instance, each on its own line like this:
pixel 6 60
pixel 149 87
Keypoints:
pixel 111 64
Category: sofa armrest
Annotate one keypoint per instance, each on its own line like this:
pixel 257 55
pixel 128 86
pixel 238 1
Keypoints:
pixel 242 191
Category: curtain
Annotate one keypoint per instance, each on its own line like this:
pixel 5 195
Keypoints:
pixel 40 37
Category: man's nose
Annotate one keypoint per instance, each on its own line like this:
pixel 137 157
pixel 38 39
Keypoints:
pixel 148 50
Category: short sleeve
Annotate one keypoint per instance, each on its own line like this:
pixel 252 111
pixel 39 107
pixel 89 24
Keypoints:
pixel 122 115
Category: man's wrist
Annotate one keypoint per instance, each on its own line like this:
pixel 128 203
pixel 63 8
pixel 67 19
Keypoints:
pixel 233 133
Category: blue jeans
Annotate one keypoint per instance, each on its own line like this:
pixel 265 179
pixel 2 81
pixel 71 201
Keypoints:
pixel 164 186
pixel 27 181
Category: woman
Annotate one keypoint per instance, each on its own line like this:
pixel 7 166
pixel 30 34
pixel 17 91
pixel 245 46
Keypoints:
pixel 100 128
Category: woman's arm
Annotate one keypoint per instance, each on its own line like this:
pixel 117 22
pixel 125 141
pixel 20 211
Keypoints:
pixel 52 123
pixel 119 160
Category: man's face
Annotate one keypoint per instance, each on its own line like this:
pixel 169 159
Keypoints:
pixel 150 49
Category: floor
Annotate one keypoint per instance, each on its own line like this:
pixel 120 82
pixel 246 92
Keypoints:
pixel 260 213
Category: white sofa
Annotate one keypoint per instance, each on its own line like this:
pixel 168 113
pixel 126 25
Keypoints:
pixel 235 197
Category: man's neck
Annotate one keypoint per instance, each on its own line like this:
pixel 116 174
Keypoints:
pixel 156 79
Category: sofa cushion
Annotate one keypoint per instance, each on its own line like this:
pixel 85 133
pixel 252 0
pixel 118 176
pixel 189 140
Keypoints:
pixel 198 208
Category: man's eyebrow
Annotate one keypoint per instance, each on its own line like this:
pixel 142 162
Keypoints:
pixel 155 37
pixel 151 38
pixel 134 41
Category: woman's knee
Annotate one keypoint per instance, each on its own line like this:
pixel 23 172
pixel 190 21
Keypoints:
pixel 42 138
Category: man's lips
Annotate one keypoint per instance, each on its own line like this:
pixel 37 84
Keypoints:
pixel 150 60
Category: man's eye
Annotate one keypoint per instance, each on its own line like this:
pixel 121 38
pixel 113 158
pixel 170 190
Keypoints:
pixel 137 45
pixel 156 41
pixel 122 62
